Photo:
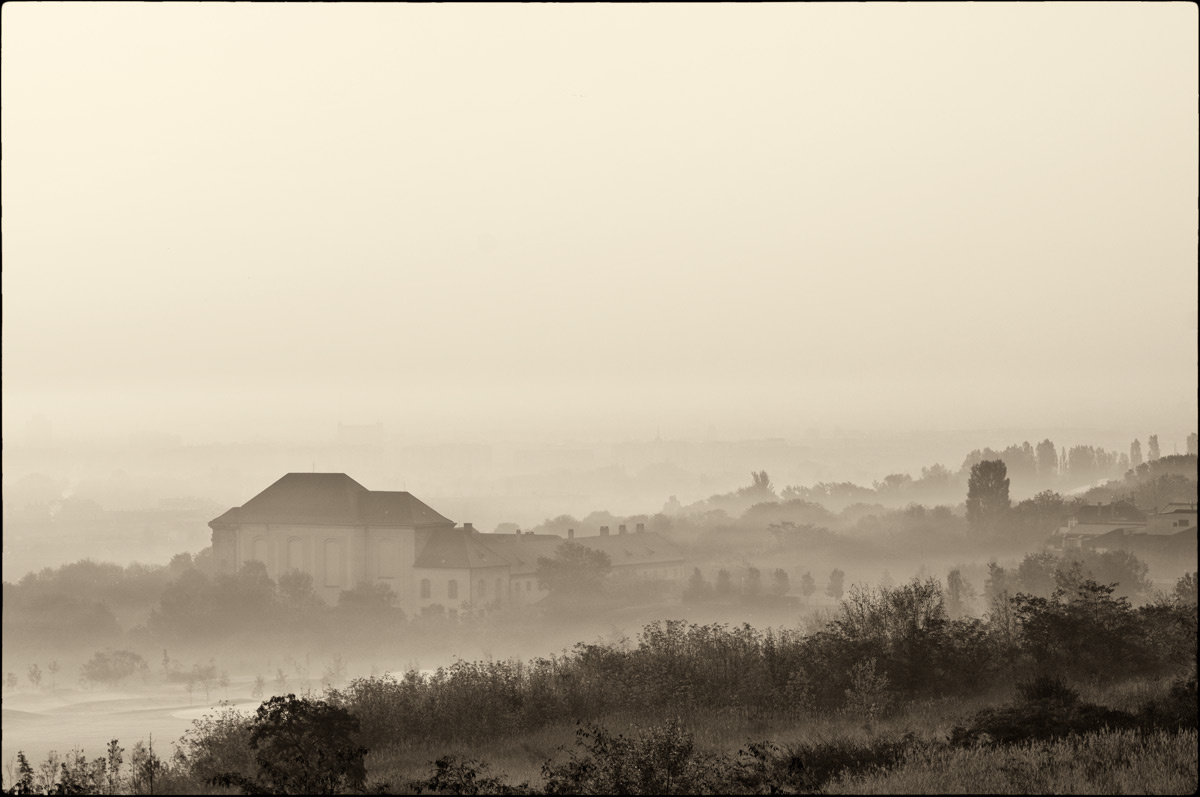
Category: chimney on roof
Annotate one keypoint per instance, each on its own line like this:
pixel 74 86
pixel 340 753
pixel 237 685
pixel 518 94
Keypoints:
pixel 604 531
pixel 570 534
pixel 621 529
pixel 641 528
pixel 468 527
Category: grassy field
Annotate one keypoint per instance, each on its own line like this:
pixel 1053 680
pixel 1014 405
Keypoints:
pixel 1108 762
pixel 1100 763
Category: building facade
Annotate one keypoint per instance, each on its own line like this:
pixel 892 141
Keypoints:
pixel 344 535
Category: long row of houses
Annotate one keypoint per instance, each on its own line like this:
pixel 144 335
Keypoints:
pixel 342 534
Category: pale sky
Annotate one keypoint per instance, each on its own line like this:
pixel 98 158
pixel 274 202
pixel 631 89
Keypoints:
pixel 489 220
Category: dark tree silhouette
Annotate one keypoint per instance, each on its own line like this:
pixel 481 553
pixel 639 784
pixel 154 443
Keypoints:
pixel 1047 459
pixel 837 584
pixel 574 569
pixel 302 747
pixel 987 495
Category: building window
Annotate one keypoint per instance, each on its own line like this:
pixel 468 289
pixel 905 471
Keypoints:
pixel 425 588
pixel 482 589
pixel 499 589
pixel 452 588
pixel 295 553
pixel 333 563
pixel 387 558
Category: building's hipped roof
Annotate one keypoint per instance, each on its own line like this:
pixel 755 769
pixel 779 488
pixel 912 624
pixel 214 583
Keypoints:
pixel 458 548
pixel 521 551
pixel 647 548
pixel 331 499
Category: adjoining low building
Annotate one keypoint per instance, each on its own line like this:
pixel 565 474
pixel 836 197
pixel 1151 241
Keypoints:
pixel 1162 539
pixel 1094 520
pixel 343 535
pixel 1172 518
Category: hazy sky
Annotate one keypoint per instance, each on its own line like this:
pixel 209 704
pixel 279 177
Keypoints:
pixel 229 219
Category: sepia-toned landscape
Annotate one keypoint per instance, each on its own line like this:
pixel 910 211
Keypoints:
pixel 600 399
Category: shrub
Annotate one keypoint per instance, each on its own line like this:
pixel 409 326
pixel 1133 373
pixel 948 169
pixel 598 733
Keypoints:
pixel 454 776
pixel 111 667
pixel 661 760
pixel 301 747
pixel 1046 708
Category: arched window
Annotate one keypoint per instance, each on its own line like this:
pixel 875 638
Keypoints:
pixel 258 549
pixel 425 590
pixel 295 554
pixel 452 588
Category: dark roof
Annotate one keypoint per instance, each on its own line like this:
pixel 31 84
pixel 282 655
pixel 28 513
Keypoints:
pixel 458 548
pixel 646 548
pixel 521 551
pixel 331 499
pixel 1116 512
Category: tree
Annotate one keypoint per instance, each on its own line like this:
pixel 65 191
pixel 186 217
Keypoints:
pixel 260 686
pixel 35 676
pixel 808 585
pixel 11 681
pixel 53 668
pixel 697 587
pixel 780 584
pixel 111 667
pixel 205 675
pixel 296 590
pixel 760 486
pixel 302 747
pixel 1185 589
pixel 1135 453
pixel 724 583
pixel 959 594
pixel 1047 459
pixel 574 569
pixel 367 597
pixel 836 586
pixel 752 586
pixel 335 672
pixel 144 767
pixel 1193 444
pixel 987 495
pixel 113 768
pixel 1152 448
pixel 223 682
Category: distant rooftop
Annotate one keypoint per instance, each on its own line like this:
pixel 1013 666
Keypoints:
pixel 332 499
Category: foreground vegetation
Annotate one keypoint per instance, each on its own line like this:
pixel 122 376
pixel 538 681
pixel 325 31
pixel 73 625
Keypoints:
pixel 902 695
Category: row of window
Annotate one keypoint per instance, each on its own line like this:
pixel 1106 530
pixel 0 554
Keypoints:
pixel 480 588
